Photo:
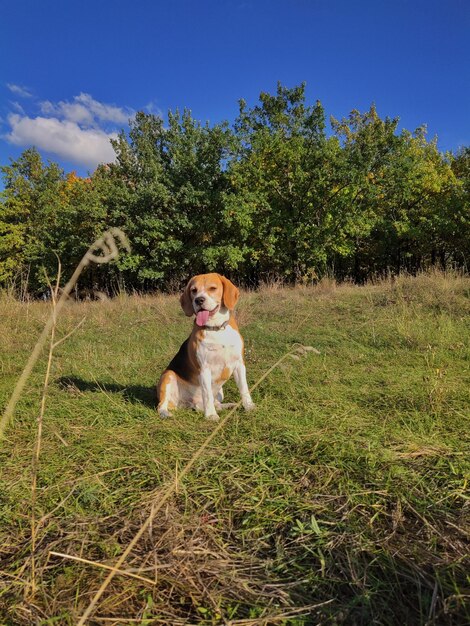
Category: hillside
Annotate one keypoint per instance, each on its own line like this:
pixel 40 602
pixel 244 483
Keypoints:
pixel 345 491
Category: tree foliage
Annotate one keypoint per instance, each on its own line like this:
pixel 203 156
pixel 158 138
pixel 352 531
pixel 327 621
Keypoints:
pixel 275 195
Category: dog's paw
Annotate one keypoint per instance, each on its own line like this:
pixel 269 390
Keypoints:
pixel 213 417
pixel 164 413
pixel 249 406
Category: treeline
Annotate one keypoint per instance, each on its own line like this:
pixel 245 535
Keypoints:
pixel 272 196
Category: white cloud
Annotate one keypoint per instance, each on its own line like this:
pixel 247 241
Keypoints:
pixel 69 111
pixel 17 106
pixel 105 112
pixel 78 130
pixel 87 111
pixel 19 90
pixel 154 109
pixel 84 146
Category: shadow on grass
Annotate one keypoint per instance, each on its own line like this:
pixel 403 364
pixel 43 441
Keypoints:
pixel 136 394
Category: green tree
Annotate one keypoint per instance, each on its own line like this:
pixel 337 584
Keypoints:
pixel 44 215
pixel 28 213
pixel 281 174
pixel 396 187
pixel 274 196
pixel 166 191
pixel 454 215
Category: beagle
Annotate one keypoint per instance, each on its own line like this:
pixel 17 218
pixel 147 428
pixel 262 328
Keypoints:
pixel 211 354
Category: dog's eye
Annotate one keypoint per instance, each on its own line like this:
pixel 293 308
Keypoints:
pixel 212 288
pixel 193 289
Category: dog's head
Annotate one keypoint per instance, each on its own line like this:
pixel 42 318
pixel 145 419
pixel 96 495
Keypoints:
pixel 207 295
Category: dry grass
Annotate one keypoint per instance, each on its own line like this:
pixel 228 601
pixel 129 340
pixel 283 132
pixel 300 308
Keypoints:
pixel 343 499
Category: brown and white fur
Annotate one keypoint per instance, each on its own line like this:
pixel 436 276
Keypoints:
pixel 211 354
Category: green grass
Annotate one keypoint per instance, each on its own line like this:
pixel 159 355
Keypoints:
pixel 347 485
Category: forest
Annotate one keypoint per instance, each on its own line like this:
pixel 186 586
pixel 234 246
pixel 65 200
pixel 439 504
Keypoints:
pixel 281 193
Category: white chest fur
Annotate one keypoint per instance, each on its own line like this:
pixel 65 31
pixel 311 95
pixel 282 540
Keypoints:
pixel 219 349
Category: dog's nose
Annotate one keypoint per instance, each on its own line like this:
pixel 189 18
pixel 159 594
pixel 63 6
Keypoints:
pixel 199 300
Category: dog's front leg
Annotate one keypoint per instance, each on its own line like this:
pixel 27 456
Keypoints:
pixel 205 380
pixel 239 374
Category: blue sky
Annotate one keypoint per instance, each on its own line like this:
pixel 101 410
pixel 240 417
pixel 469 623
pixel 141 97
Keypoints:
pixel 71 74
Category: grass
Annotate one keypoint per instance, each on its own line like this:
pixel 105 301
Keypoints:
pixel 345 491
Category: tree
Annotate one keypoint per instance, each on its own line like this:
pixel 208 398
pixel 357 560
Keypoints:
pixel 44 215
pixel 398 183
pixel 280 175
pixel 454 214
pixel 273 196
pixel 165 190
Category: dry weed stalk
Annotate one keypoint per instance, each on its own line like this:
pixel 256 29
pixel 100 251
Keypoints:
pixel 110 251
pixel 107 245
pixel 177 481
pixel 103 565
pixel 37 447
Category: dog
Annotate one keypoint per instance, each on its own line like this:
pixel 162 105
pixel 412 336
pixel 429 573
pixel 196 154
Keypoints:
pixel 211 354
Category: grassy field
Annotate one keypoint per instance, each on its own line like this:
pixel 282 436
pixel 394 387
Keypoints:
pixel 345 491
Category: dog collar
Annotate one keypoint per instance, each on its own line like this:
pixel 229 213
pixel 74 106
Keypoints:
pixel 221 327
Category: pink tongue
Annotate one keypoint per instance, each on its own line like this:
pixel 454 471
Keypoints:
pixel 202 317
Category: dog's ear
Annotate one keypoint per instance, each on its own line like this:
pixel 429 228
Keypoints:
pixel 231 293
pixel 185 300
